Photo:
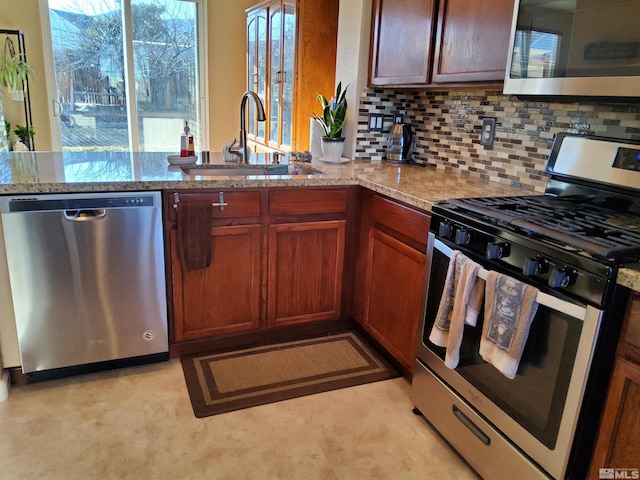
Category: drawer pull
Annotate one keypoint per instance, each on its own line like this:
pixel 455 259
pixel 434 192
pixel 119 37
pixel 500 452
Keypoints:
pixel 470 425
pixel 221 204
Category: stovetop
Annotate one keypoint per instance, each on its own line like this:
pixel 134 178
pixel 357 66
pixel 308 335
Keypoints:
pixel 591 205
pixel 582 223
pixel 571 240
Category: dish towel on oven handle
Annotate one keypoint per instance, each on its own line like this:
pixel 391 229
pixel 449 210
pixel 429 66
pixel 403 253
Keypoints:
pixel 460 303
pixel 509 308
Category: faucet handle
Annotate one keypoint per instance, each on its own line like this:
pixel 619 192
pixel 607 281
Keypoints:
pixel 227 154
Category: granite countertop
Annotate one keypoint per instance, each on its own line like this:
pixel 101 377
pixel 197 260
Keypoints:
pixel 630 277
pixel 57 172
pixel 49 172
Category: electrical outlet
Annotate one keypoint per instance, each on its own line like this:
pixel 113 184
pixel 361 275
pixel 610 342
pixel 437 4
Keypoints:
pixel 376 122
pixel 488 133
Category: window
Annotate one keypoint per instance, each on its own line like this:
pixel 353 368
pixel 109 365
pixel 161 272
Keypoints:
pixel 128 73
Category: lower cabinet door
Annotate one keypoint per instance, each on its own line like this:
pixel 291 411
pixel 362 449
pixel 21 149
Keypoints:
pixel 224 297
pixel 617 444
pixel 305 271
pixel 392 296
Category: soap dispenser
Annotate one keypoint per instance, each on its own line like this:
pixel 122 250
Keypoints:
pixel 187 145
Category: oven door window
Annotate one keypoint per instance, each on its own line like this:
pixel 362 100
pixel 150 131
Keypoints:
pixel 536 397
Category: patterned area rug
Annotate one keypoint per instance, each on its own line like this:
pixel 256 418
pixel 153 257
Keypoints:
pixel 224 382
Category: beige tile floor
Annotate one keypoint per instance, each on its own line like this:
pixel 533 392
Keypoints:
pixel 137 423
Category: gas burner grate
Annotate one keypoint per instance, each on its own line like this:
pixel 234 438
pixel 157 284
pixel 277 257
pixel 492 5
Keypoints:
pixel 593 229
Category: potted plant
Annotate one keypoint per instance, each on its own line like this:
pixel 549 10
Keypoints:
pixel 25 134
pixel 14 71
pixel 332 120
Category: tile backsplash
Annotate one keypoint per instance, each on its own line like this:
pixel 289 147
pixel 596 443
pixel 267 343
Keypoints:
pixel 447 126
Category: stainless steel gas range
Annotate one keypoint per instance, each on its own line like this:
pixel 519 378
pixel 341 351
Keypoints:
pixel 568 244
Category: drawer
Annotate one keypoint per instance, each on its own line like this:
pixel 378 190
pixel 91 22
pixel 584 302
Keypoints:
pixel 307 201
pixel 481 445
pixel 239 204
pixel 404 220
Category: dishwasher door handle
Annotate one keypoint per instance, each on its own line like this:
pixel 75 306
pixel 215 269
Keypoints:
pixel 85 215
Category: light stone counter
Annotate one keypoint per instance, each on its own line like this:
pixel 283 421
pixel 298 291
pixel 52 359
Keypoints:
pixel 630 277
pixel 46 172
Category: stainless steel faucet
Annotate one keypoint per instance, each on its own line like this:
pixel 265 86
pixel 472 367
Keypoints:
pixel 241 149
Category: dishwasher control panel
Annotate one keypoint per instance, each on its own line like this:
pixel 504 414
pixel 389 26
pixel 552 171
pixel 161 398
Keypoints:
pixel 75 202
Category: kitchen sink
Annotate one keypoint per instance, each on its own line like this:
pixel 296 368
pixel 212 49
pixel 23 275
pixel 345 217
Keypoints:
pixel 249 170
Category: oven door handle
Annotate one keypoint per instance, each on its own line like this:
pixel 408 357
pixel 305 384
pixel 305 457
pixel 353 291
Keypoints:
pixel 547 300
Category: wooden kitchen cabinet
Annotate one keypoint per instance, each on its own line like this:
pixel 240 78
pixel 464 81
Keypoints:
pixel 316 51
pixel 619 434
pixel 305 271
pixel 223 298
pixel 306 254
pixel 419 43
pixel 282 267
pixel 392 268
pixel 291 56
pixel 472 41
pixel 401 37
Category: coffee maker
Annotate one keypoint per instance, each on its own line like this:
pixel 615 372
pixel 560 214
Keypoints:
pixel 399 143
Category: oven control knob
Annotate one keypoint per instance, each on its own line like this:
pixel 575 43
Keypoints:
pixel 444 229
pixel 535 266
pixel 463 236
pixel 561 278
pixel 497 250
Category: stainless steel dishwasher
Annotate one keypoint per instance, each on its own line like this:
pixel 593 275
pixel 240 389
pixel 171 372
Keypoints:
pixel 87 276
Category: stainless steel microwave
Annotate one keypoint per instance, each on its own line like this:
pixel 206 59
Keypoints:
pixel 574 47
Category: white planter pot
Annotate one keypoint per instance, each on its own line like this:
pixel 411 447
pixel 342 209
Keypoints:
pixel 332 148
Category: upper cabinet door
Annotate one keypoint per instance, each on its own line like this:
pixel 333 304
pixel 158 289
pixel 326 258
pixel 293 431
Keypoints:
pixel 282 26
pixel 472 41
pixel 288 73
pixel 274 108
pixel 291 55
pixel 401 42
pixel 256 67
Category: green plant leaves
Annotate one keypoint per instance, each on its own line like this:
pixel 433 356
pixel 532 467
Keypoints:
pixel 13 72
pixel 334 116
pixel 24 133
